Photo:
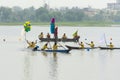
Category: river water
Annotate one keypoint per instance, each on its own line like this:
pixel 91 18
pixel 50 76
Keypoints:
pixel 18 63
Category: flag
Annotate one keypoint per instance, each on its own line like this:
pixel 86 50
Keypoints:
pixel 75 33
pixel 52 25
pixel 27 26
pixel 103 40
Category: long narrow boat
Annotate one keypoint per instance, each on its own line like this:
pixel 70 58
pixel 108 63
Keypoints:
pixel 72 47
pixel 59 39
pixel 50 50
pixel 61 51
pixel 107 48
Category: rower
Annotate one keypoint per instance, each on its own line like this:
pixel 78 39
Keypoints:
pixel 81 45
pixel 32 44
pixel 41 35
pixel 55 46
pixel 48 35
pixel 91 44
pixel 45 47
pixel 64 36
pixel 111 45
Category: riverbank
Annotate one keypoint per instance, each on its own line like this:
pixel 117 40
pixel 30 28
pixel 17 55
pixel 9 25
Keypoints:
pixel 72 24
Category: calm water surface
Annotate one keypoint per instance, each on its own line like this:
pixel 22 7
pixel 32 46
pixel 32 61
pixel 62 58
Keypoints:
pixel 18 63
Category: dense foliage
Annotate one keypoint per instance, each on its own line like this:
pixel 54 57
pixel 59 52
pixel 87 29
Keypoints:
pixel 44 14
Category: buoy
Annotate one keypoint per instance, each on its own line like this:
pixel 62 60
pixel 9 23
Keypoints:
pixel 88 49
pixel 4 40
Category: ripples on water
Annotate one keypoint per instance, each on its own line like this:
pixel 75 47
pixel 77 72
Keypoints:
pixel 18 63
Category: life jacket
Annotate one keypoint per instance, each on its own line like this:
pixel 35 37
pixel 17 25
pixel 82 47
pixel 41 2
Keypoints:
pixel 92 45
pixel 111 46
pixel 44 47
pixel 31 45
pixel 82 45
pixel 55 47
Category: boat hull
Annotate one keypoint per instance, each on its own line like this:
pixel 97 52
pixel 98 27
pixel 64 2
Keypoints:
pixel 58 40
pixel 61 51
pixel 107 48
pixel 72 47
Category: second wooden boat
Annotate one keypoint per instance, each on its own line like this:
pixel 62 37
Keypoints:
pixel 72 47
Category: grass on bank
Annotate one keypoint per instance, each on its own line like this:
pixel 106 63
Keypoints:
pixel 72 24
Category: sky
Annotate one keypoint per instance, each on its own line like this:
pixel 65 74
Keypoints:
pixel 98 4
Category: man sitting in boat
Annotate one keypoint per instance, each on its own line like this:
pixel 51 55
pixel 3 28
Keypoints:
pixel 64 36
pixel 111 45
pixel 75 35
pixel 48 35
pixel 55 46
pixel 45 47
pixel 91 44
pixel 41 35
pixel 81 45
pixel 32 44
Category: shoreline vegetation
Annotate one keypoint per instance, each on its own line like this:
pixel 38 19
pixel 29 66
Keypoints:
pixel 72 24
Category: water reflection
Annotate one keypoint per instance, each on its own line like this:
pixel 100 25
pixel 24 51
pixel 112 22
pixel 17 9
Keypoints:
pixel 27 68
pixel 53 65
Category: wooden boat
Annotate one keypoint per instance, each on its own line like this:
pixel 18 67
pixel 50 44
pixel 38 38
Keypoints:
pixel 48 39
pixel 107 48
pixel 59 39
pixel 61 51
pixel 72 47
pixel 50 50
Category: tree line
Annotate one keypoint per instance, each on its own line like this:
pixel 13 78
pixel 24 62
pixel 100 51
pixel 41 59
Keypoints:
pixel 44 14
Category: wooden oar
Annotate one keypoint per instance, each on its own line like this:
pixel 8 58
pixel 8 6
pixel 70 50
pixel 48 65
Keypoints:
pixel 62 46
pixel 49 45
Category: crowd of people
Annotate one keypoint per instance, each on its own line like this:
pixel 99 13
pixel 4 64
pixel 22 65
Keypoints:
pixel 55 46
pixel 64 36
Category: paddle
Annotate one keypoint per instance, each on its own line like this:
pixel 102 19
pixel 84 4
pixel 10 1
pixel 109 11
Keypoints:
pixel 105 40
pixel 49 45
pixel 62 46
pixel 25 37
